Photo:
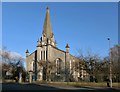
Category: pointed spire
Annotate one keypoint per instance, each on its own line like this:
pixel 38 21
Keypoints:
pixel 39 42
pixel 47 31
pixel 27 51
pixel 67 46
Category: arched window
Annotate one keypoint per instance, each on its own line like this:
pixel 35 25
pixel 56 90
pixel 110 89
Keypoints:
pixel 44 55
pixel 33 66
pixel 58 65
pixel 41 55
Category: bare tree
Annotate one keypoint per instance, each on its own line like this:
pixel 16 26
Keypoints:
pixel 115 58
pixel 91 64
pixel 11 62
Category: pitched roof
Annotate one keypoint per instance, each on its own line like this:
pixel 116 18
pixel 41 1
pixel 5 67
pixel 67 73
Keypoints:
pixel 47 31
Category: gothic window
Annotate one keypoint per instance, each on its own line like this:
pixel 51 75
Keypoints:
pixel 44 55
pixel 58 66
pixel 33 66
pixel 41 55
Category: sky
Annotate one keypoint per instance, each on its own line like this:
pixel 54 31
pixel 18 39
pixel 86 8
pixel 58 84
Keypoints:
pixel 83 25
pixel 60 0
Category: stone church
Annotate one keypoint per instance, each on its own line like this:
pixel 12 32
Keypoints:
pixel 48 62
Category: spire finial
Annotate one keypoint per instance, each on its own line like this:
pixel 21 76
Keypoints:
pixel 38 40
pixel 47 8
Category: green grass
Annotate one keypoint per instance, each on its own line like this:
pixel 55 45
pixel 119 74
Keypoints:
pixel 92 84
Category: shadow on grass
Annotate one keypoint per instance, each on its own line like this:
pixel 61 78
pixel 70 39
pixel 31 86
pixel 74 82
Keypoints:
pixel 17 86
pixel 100 88
pixel 14 87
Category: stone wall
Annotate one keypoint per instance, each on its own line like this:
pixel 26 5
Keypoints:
pixel 29 61
pixel 56 53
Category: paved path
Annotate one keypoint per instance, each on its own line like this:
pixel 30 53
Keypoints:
pixel 37 87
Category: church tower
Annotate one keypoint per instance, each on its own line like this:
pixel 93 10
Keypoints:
pixel 47 40
pixel 47 35
pixel 47 54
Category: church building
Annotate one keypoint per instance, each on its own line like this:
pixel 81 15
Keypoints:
pixel 48 62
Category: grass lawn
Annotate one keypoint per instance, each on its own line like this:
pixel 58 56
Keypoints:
pixel 92 84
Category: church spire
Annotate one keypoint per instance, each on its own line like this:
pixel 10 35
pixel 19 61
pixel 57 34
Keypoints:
pixel 47 31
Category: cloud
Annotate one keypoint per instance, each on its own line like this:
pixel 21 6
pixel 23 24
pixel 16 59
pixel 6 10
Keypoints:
pixel 16 55
pixel 12 55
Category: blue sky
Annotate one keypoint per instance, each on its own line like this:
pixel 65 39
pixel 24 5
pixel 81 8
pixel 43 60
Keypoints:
pixel 82 25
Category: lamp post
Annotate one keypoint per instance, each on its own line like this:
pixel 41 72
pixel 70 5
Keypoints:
pixel 110 65
pixel 93 69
